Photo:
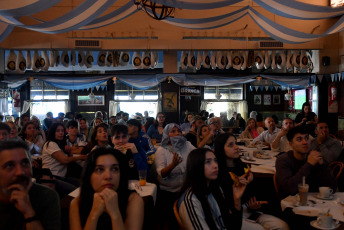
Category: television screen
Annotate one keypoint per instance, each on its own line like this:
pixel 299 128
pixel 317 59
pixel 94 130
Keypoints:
pixel 300 98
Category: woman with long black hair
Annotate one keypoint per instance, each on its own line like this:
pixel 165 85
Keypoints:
pixel 228 155
pixel 105 201
pixel 203 204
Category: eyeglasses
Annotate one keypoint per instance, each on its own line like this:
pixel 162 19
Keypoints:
pixel 214 122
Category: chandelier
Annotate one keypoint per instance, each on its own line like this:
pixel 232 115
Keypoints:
pixel 155 10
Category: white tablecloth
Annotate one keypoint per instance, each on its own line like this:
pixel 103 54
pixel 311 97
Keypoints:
pixel 261 165
pixel 335 205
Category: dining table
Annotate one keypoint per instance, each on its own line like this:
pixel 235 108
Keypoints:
pixel 316 205
pixel 262 160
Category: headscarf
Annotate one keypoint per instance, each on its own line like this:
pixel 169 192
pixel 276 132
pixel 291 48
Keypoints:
pixel 178 142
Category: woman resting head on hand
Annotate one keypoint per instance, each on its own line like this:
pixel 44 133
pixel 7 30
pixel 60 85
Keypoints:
pixel 105 201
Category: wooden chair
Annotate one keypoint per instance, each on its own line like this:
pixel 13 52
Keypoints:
pixel 176 214
pixel 336 168
pixel 275 183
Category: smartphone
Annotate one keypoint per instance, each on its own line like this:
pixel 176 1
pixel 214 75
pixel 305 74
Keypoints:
pixel 254 217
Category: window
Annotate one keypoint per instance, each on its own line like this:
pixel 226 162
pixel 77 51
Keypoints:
pixel 231 100
pixel 133 100
pixel 43 91
pixel 47 98
pixel 233 92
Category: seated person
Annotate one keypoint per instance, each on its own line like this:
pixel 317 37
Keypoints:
pixel 202 204
pixel 105 201
pixel 205 137
pixel 281 143
pixel 56 159
pixel 329 147
pixel 33 139
pixel 231 168
pixel 23 203
pixel 252 130
pixel 141 140
pixel 14 131
pixel 196 123
pixel 268 136
pixel 75 141
pixel 156 129
pixel 170 162
pixel 136 160
pixel 98 138
pixel 5 130
pixel 301 162
pixel 215 123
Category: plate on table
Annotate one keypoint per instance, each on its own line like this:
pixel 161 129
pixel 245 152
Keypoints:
pixel 306 211
pixel 261 156
pixel 331 197
pixel 335 225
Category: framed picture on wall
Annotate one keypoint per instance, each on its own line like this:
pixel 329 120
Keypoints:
pixel 170 102
pixel 99 100
pixel 276 99
pixel 267 99
pixel 257 99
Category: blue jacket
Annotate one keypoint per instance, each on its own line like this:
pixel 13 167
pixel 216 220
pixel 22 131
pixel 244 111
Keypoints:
pixel 153 133
pixel 144 147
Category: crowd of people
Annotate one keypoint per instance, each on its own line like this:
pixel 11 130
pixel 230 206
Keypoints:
pixel 193 167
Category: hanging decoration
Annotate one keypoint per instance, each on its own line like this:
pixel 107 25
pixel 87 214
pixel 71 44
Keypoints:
pixel 146 59
pixel 109 58
pixel 20 62
pixel 89 59
pixel 192 59
pixel 81 58
pixel 184 60
pixel 11 61
pixel 206 59
pixel 44 60
pixel 36 65
pixel 28 59
pixel 258 60
pixel 73 58
pixel 124 58
pixel 229 58
pixel 101 58
pixel 136 60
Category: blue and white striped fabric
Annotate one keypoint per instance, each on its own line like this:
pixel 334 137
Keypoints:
pixel 22 8
pixel 197 4
pixel 208 23
pixel 299 10
pixel 284 34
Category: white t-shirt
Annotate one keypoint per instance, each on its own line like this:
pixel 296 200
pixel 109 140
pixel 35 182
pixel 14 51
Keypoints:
pixel 56 167
pixel 163 157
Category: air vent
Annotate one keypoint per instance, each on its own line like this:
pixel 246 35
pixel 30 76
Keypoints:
pixel 87 43
pixel 267 44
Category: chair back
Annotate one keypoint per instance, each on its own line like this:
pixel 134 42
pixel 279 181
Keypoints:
pixel 336 168
pixel 176 214
pixel 275 183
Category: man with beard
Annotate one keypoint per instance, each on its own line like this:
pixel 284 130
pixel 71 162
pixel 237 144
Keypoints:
pixel 24 204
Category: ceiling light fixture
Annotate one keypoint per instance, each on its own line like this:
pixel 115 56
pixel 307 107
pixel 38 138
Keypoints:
pixel 155 10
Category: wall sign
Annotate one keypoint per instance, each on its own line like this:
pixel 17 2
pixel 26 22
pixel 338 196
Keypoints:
pixel 190 91
pixel 99 100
